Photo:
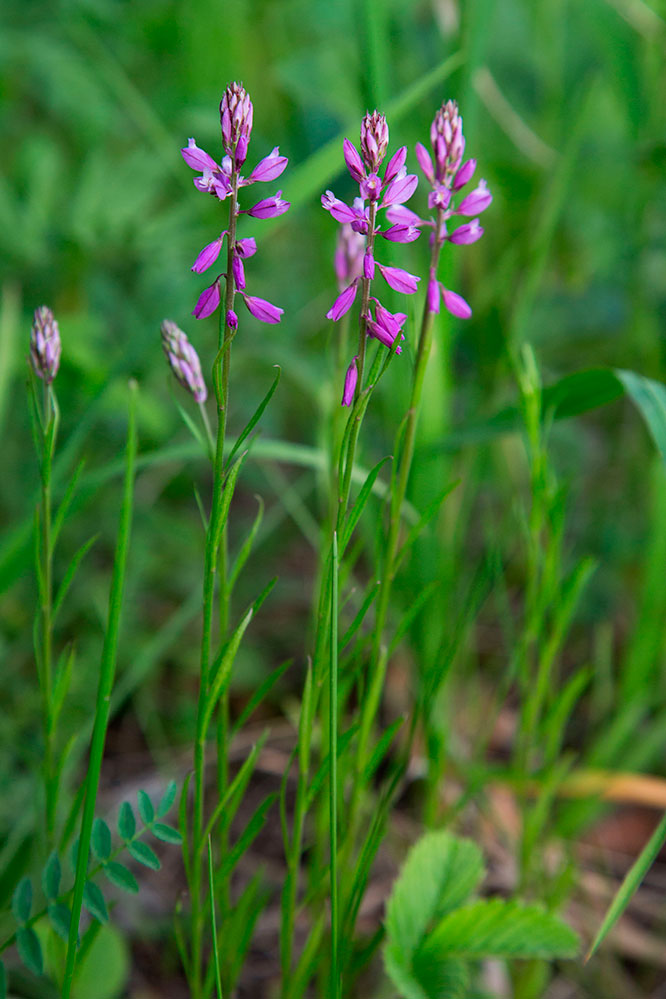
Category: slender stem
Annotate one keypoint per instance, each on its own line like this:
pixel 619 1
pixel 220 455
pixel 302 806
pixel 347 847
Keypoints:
pixel 103 706
pixel 333 771
pixel 46 630
pixel 211 889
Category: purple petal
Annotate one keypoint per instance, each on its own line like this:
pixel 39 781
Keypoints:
pixel 338 209
pixel 197 158
pixel 368 266
pixel 263 310
pixel 400 233
pixel 270 167
pixel 433 294
pixel 209 299
pixel 343 302
pixel 476 201
pixel 467 233
pixel 269 208
pixel 232 319
pixel 246 247
pixel 241 151
pixel 399 280
pixel 351 378
pixel 208 255
pixel 395 164
pixel 456 305
pixel 403 216
pixel 353 161
pixel 464 175
pixel 439 197
pixel 425 162
pixel 400 190
pixel 371 187
pixel 239 273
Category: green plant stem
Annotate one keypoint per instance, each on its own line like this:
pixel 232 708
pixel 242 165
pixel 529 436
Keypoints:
pixel 103 706
pixel 333 771
pixel 215 544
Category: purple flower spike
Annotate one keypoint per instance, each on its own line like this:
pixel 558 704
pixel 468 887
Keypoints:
pixel 239 273
pixel 235 116
pixel 477 201
pixel 246 247
pixel 351 379
pixel 208 255
pixel 232 319
pixel 353 161
pixel 399 280
pixel 447 140
pixel 197 158
pixel 263 310
pixel 270 168
pixel 467 233
pixel 183 360
pixel 45 345
pixel 343 302
pixel 425 162
pixel 456 304
pixel 374 140
pixel 464 175
pixel 269 208
pixel 209 299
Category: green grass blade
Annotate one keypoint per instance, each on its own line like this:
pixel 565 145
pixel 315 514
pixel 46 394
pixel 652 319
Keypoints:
pixel 211 889
pixel 630 885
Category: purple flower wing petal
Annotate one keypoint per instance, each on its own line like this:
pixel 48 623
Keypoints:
pixel 399 280
pixel 343 302
pixel 456 304
pixel 197 158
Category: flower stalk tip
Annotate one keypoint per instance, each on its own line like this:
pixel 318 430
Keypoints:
pixel 183 360
pixel 45 345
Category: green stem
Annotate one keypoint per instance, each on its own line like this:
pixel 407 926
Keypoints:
pixel 103 706
pixel 333 771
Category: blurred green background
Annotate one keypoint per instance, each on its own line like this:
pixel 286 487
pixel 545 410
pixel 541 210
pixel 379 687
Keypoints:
pixel 563 105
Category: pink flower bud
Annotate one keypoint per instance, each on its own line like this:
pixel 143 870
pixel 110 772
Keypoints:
pixel 45 346
pixel 238 272
pixel 399 280
pixel 395 164
pixel 467 233
pixel 231 319
pixel 353 161
pixel 433 293
pixel 183 360
pixel 235 116
pixel 208 301
pixel 246 247
pixel 456 305
pixel 208 255
pixel 343 302
pixel 351 379
pixel 368 266
pixel 425 162
pixel 263 310
pixel 374 140
pixel 464 175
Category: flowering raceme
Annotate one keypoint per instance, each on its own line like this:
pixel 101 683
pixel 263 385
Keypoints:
pixel 376 192
pixel 447 175
pixel 223 180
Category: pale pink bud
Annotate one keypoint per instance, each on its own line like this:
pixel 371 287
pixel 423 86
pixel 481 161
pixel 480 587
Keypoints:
pixel 353 161
pixel 231 319
pixel 45 345
pixel 374 140
pixel 238 272
pixel 183 360
pixel 235 116
pixel 368 266
pixel 351 379
pixel 425 162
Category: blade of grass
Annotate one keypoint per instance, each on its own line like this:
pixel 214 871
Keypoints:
pixel 216 955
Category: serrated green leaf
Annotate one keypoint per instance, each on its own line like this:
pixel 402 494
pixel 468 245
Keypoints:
pixel 93 899
pixel 100 840
pixel 126 821
pixel 51 877
pixel 121 876
pixel 144 854
pixel 29 949
pixel 497 928
pixel 446 980
pixel 146 810
pixel 60 917
pixel 167 799
pixel 166 833
pixel 22 900
pixel 441 871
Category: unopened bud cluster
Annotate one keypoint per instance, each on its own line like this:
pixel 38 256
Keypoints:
pixel 183 360
pixel 45 346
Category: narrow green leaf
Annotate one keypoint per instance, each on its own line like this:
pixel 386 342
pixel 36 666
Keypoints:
pixel 29 950
pixel 252 422
pixel 126 821
pixel 381 749
pixel 321 775
pixel 228 804
pixel 364 495
pixel 22 900
pixel 650 399
pixel 373 590
pixel 167 799
pixel 68 578
pixel 93 899
pixel 66 503
pixel 497 928
pixel 146 810
pixel 60 917
pixel 100 840
pixel 166 833
pixel 144 854
pixel 3 981
pixel 244 841
pixel 246 547
pixel 629 886
pixel 51 877
pixel 260 693
pixel 63 678
pixel 211 893
pixel 121 876
pixel 408 618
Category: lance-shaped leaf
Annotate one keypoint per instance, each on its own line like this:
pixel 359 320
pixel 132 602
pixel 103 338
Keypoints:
pixel 256 416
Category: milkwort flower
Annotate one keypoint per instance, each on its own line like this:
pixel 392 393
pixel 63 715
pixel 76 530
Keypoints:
pixel 45 346
pixel 447 175
pixel 223 180
pixel 376 192
pixel 183 360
